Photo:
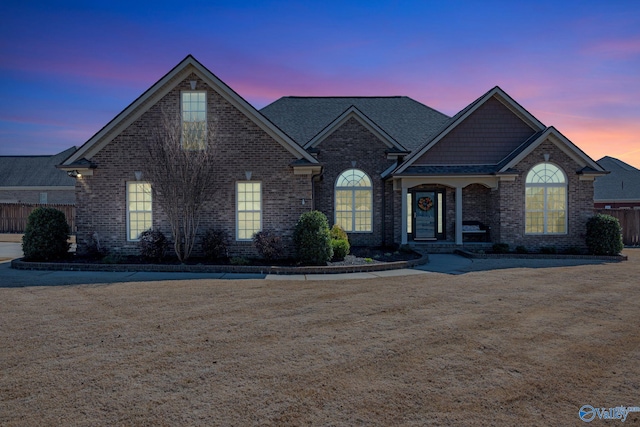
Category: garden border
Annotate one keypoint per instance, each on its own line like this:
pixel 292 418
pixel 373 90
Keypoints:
pixel 19 264
pixel 472 255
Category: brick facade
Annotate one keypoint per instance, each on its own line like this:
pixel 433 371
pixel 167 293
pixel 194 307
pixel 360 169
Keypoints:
pixel 352 146
pixel 241 147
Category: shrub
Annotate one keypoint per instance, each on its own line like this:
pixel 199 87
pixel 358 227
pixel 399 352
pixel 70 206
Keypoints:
pixel 45 236
pixel 340 248
pixel 268 244
pixel 114 259
pixel 521 250
pixel 153 245
pixel 215 244
pixel 94 247
pixel 604 235
pixel 500 248
pixel 337 233
pixel 548 250
pixel 238 260
pixel 573 250
pixel 311 238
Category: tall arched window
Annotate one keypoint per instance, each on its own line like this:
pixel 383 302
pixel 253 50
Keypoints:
pixel 546 200
pixel 354 194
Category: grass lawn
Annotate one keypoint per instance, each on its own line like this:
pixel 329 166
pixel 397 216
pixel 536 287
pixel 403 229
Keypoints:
pixel 502 347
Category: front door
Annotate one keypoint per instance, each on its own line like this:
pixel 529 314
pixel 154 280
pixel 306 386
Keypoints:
pixel 428 215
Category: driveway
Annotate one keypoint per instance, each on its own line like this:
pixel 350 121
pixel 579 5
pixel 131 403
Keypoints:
pixel 10 250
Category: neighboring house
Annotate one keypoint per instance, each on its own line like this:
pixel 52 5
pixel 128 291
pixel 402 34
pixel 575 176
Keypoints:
pixel 35 179
pixel 389 170
pixel 620 188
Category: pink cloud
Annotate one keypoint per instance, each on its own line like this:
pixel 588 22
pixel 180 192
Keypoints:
pixel 615 48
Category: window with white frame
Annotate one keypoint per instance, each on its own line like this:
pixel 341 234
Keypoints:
pixel 249 209
pixel 139 209
pixel 546 200
pixel 194 120
pixel 353 201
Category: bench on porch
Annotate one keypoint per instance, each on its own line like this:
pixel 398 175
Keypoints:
pixel 476 231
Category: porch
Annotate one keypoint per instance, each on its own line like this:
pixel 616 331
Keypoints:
pixel 448 247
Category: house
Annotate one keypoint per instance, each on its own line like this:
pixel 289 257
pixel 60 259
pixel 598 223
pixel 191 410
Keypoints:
pixel 35 179
pixel 620 188
pixel 389 170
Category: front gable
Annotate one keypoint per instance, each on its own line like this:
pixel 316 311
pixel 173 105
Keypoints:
pixel 483 133
pixel 187 70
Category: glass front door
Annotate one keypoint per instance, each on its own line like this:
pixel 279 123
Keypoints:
pixel 425 215
pixel 428 215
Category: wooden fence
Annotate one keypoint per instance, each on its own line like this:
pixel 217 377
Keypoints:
pixel 13 216
pixel 630 222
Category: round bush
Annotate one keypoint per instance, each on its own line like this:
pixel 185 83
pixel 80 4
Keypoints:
pixel 604 235
pixel 312 240
pixel 45 236
pixel 337 233
pixel 268 244
pixel 153 244
pixel 215 244
pixel 340 248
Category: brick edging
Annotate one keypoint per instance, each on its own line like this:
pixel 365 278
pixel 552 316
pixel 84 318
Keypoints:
pixel 468 254
pixel 19 264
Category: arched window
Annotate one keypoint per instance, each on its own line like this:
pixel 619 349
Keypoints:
pixel 546 200
pixel 354 194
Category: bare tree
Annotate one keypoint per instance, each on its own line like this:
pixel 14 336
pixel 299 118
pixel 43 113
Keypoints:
pixel 181 171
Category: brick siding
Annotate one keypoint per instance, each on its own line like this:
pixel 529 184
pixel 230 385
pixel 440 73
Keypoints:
pixel 240 146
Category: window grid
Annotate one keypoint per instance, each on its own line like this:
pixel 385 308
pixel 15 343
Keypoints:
pixel 194 120
pixel 249 208
pixel 139 209
pixel 545 200
pixel 353 201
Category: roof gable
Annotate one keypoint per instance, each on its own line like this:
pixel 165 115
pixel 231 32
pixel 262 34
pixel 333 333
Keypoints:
pixel 463 139
pixel 403 119
pixel 621 184
pixel 353 113
pixel 163 86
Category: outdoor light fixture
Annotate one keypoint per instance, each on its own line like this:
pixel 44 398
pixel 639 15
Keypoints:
pixel 74 174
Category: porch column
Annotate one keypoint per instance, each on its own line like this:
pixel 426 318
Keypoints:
pixel 403 209
pixel 458 215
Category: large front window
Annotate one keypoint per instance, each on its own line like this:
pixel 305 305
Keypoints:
pixel 194 120
pixel 546 200
pixel 353 200
pixel 249 209
pixel 139 209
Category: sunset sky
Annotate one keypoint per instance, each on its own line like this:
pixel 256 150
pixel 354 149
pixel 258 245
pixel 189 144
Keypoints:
pixel 67 68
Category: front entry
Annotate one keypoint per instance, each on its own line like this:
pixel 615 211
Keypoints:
pixel 428 215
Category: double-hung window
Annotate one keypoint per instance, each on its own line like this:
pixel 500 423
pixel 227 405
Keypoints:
pixel 194 120
pixel 139 210
pixel 545 200
pixel 249 209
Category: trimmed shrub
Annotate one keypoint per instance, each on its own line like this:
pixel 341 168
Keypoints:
pixel 337 233
pixel 548 250
pixel 604 235
pixel 500 248
pixel 521 250
pixel 340 248
pixel 45 236
pixel 312 239
pixel 153 245
pixel 215 244
pixel 268 244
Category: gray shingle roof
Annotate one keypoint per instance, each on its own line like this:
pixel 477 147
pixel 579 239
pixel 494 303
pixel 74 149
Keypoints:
pixel 404 119
pixel 35 171
pixel 623 183
pixel 450 170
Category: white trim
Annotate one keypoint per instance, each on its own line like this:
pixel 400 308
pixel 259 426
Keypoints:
pixel 560 141
pixel 353 199
pixel 545 210
pixel 261 211
pixel 129 211
pixel 206 119
pixel 370 125
pixel 500 96
pixel 163 86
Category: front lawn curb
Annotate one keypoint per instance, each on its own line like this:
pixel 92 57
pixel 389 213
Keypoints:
pixel 19 264
pixel 467 254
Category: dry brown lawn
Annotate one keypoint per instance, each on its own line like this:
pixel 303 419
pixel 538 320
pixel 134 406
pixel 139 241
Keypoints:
pixel 504 347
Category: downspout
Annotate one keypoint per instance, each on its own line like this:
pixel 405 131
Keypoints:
pixel 313 189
